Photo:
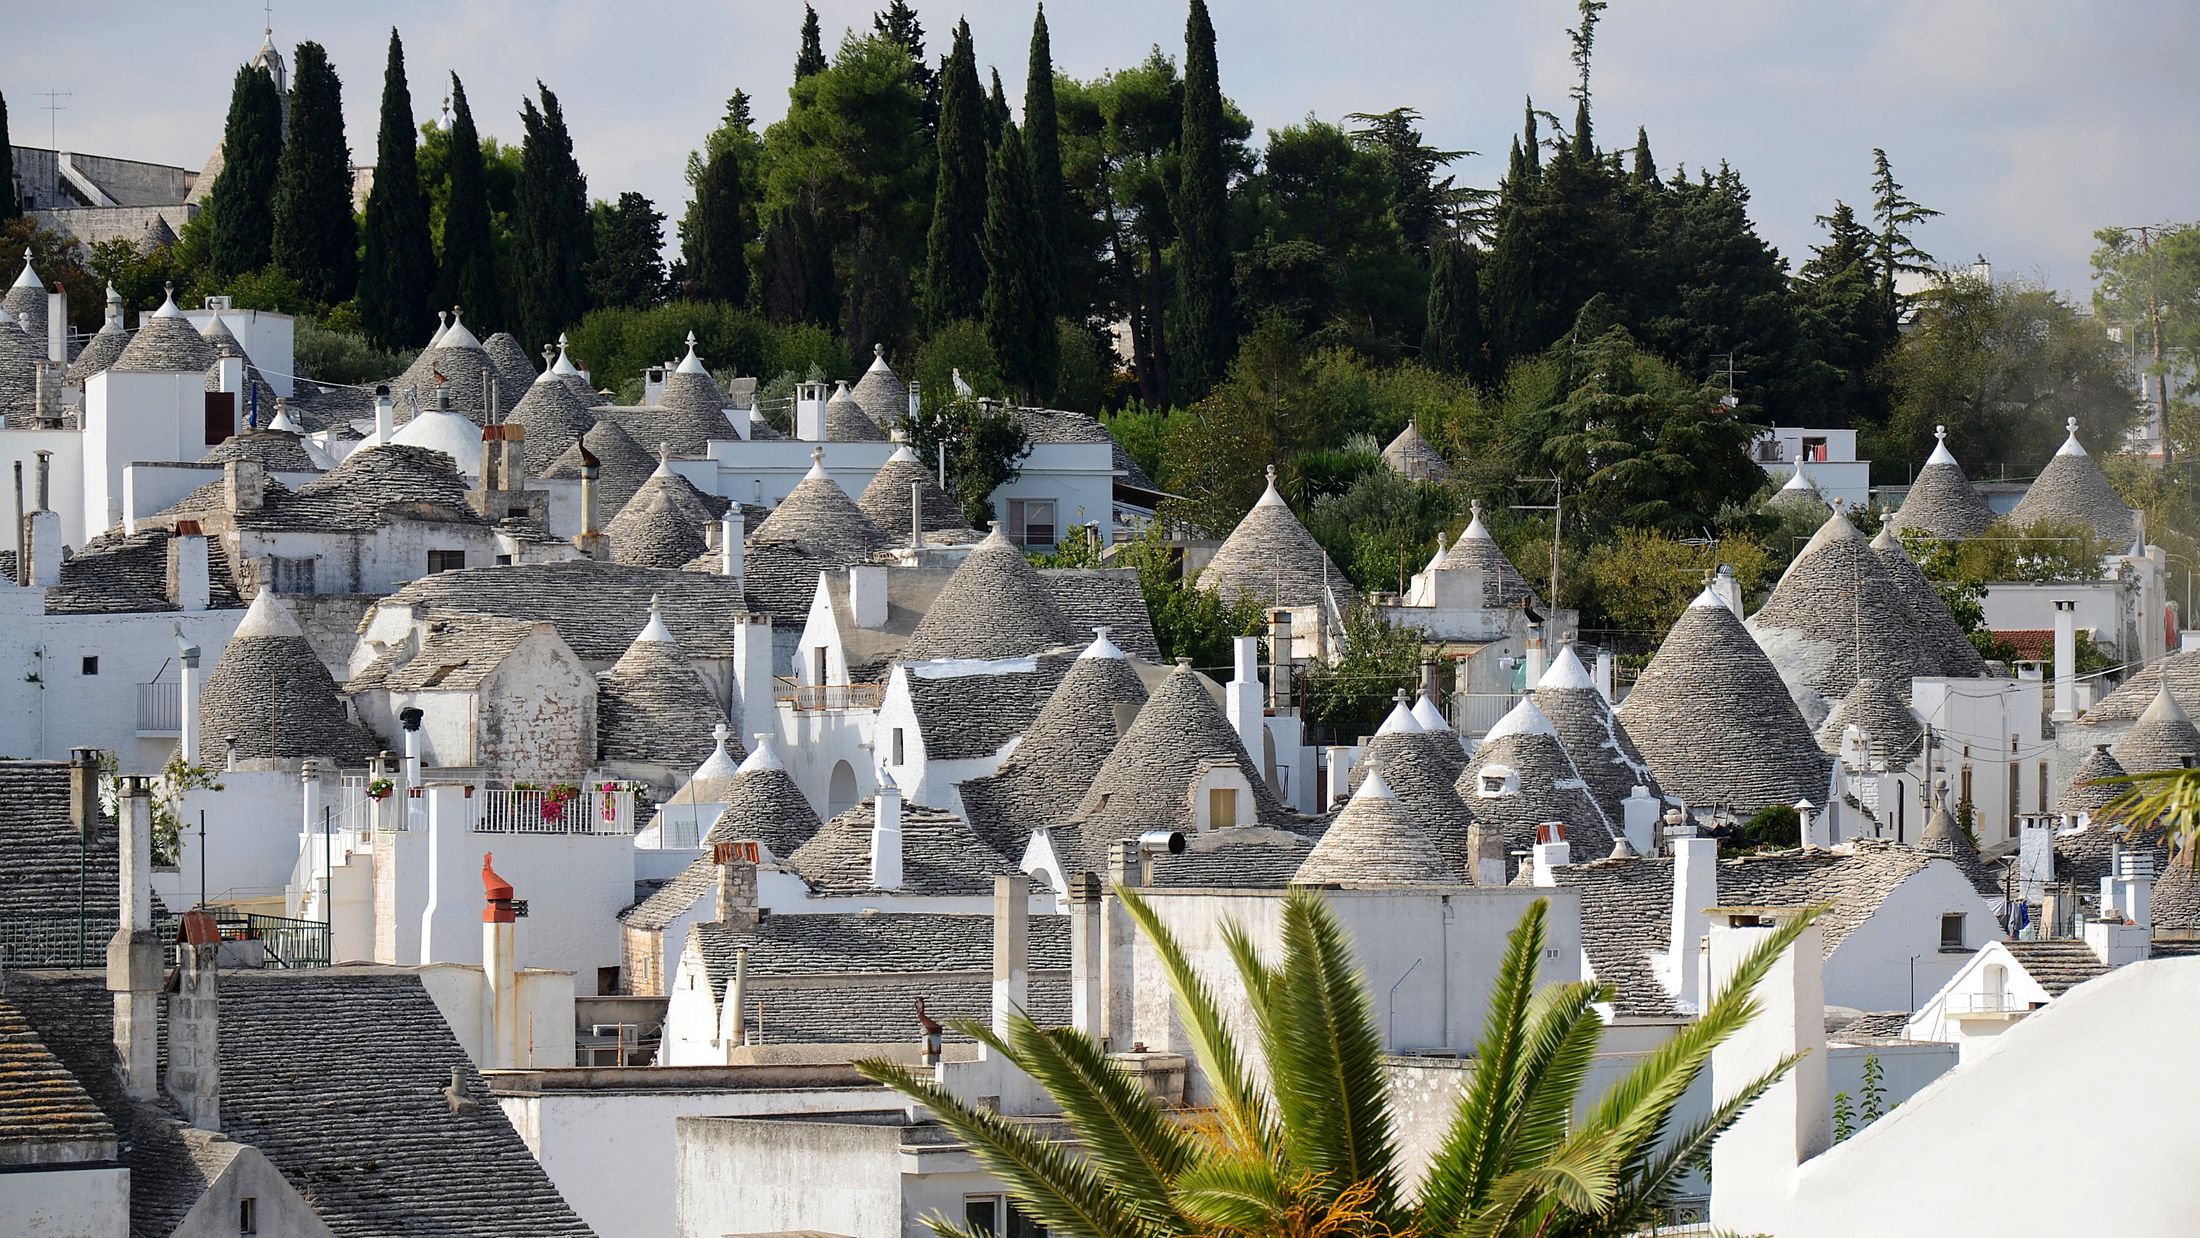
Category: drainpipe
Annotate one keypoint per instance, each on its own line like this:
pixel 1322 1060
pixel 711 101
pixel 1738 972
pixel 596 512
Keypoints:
pixel 187 683
pixel 916 515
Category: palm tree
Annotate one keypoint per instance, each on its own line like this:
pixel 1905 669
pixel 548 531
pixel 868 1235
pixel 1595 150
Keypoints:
pixel 1304 1144
pixel 2166 800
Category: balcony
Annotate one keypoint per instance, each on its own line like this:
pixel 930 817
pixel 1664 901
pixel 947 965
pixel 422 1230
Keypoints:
pixel 159 710
pixel 832 696
pixel 536 811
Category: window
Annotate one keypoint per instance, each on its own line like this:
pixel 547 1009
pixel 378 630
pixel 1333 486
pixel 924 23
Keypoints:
pixel 91 664
pixel 248 1215
pixel 899 757
pixel 817 669
pixel 1031 522
pixel 446 561
pixel 221 416
pixel 1221 807
pixel 982 1215
pixel 1814 450
pixel 1951 931
pixel 292 575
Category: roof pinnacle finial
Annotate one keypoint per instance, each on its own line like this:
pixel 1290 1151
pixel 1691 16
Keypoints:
pixel 2071 423
pixel 656 606
pixel 1474 508
pixel 877 350
pixel 664 455
pixel 1940 434
pixel 691 341
pixel 1271 475
pixel 817 455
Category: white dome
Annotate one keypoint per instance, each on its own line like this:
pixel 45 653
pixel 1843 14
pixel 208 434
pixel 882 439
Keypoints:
pixel 453 434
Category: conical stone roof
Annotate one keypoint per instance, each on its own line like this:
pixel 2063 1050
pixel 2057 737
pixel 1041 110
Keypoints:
pixel 652 706
pixel 1521 777
pixel 1944 838
pixel 996 605
pixel 1422 776
pixel 1716 724
pixel 2087 792
pixel 275 450
pixel 886 499
pixel 1503 587
pixel 571 376
pixel 2163 737
pixel 1942 502
pixel 1939 638
pixel 1048 772
pixel 165 343
pixel 763 803
pixel 157 235
pixel 1836 615
pixel 1799 494
pixel 271 691
pixel 880 393
pixel 1271 557
pixel 1411 456
pixel 99 352
pixel 846 422
pixel 623 466
pixel 1592 735
pixel 691 409
pixel 2073 490
pixel 465 369
pixel 1874 705
pixel 1374 842
pixel 554 419
pixel 20 357
pixel 510 359
pixel 654 530
pixel 25 300
pixel 818 515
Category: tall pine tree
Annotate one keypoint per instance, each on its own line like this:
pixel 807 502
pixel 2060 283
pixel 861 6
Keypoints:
pixel 469 248
pixel 397 281
pixel 556 238
pixel 316 239
pixel 954 267
pixel 1016 322
pixel 1203 319
pixel 628 270
pixel 1455 337
pixel 10 206
pixel 899 22
pixel 241 214
pixel 876 310
pixel 1043 150
pixel 798 269
pixel 1896 253
pixel 811 59
pixel 712 236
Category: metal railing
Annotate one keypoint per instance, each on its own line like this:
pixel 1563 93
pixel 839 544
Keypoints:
pixel 159 709
pixel 833 696
pixel 540 811
pixel 290 943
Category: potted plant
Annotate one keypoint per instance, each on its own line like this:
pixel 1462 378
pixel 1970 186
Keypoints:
pixel 380 789
pixel 555 800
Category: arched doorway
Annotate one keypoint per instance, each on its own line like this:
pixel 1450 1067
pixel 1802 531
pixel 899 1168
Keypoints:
pixel 840 793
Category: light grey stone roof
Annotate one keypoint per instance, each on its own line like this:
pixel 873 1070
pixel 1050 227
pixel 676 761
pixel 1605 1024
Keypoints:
pixel 554 419
pixel 940 855
pixel 880 393
pixel 1716 724
pixel 1542 785
pixel 1502 584
pixel 456 655
pixel 1093 597
pixel 1055 762
pixel 465 370
pixel 622 466
pixel 1374 842
pixel 1410 455
pixel 1837 614
pixel 512 363
pixel 165 344
pixel 1271 557
pixel 1236 858
pixel 367 489
pixel 1145 783
pixel 2073 490
pixel 690 412
pixel 663 525
pixel 2180 670
pixel 99 352
pixel 40 851
pixel 42 1105
pixel 846 422
pixel 1874 705
pixel 996 605
pixel 2085 792
pixel 2084 856
pixel 1942 502
pixel 1060 425
pixel 1422 776
pixel 19 358
pixel 26 302
pixel 886 499
pixel 597 607
pixel 272 692
pixel 127 573
pixel 1593 736
pixel 1939 638
pixel 2057 966
pixel 276 450
pixel 652 706
pixel 967 716
pixel 819 516
pixel 1944 838
pixel 2163 738
pixel 157 234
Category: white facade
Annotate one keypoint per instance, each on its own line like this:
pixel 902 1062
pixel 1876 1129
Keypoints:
pixel 268 340
pixel 78 1201
pixel 1988 746
pixel 81 680
pixel 1828 458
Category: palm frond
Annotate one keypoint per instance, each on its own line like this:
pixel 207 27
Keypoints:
pixel 1211 1042
pixel 1578 1178
pixel 1059 1188
pixel 1563 1033
pixel 1240 1194
pixel 1650 1182
pixel 2167 800
pixel 1467 1162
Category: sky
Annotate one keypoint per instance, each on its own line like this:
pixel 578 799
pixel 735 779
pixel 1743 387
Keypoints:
pixel 2028 124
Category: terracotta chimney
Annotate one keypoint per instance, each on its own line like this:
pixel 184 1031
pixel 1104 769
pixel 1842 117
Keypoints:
pixel 500 968
pixel 194 1023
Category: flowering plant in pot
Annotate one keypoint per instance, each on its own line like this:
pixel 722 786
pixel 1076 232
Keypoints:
pixel 380 789
pixel 556 798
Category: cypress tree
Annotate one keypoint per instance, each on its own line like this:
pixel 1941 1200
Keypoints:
pixel 1645 169
pixel 316 240
pixel 1203 329
pixel 628 269
pixel 954 267
pixel 10 206
pixel 811 59
pixel 712 237
pixel 241 215
pixel 557 240
pixel 798 270
pixel 397 282
pixel 1043 150
pixel 996 113
pixel 876 309
pixel 1454 338
pixel 469 276
pixel 1021 332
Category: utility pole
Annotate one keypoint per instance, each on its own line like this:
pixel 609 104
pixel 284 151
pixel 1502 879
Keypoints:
pixel 54 108
pixel 1556 507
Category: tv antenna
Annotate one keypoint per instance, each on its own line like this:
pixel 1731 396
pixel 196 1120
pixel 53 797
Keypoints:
pixel 54 108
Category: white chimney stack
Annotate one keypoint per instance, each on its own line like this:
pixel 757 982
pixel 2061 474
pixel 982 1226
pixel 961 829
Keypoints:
pixel 1552 852
pixel 133 956
pixel 731 532
pixel 1243 698
pixel 1695 888
pixel 1754 1162
pixel 231 370
pixel 500 971
pixel 187 684
pixel 385 418
pixel 2066 660
pixel 1639 820
pixel 886 835
pixel 1011 949
pixel 1604 678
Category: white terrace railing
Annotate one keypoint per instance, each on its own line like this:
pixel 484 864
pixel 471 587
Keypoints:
pixel 591 810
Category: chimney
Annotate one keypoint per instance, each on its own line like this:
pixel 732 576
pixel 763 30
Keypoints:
pixel 1754 1162
pixel 244 485
pixel 737 996
pixel 190 571
pixel 22 532
pixel 1604 678
pixel 590 539
pixel 1695 887
pixel 809 412
pixel 754 689
pixel 886 835
pixel 44 525
pixel 1816 826
pixel 1537 657
pixel 736 894
pixel 1552 852
pixel 57 325
pixel 492 460
pixel 916 515
pixel 1281 656
pixel 133 955
pixel 409 719
pixel 1242 699
pixel 1639 820
pixel 867 595
pixel 1011 948
pixel 2124 930
pixel 2035 855
pixel 231 374
pixel 1486 852
pixel 500 971
pixel 1728 589
pixel 1085 969
pixel 731 534
pixel 513 471
pixel 915 405
pixel 385 417
pixel 2066 660
pixel 194 1024
pixel 187 685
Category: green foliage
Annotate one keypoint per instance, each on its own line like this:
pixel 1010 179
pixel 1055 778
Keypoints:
pixel 1641 580
pixel 556 237
pixel 58 260
pixel 621 343
pixel 898 21
pixel 1043 153
pixel 985 445
pixel 315 236
pixel 269 288
pixel 1455 339
pixel 954 266
pixel 10 205
pixel 1844 1117
pixel 177 779
pixel 852 150
pixel 1083 372
pixel 2166 802
pixel 959 347
pixel 811 59
pixel 1895 253
pixel 1374 660
pixel 1017 319
pixel 1305 1143
pixel 1846 327
pixel 1875 1090
pixel 469 276
pixel 1774 827
pixel 876 310
pixel 240 205
pixel 714 234
pixel 1381 528
pixel 397 274
pixel 628 271
pixel 336 355
pixel 1203 314
pixel 1187 622
pixel 1144 432
pixel 1424 208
